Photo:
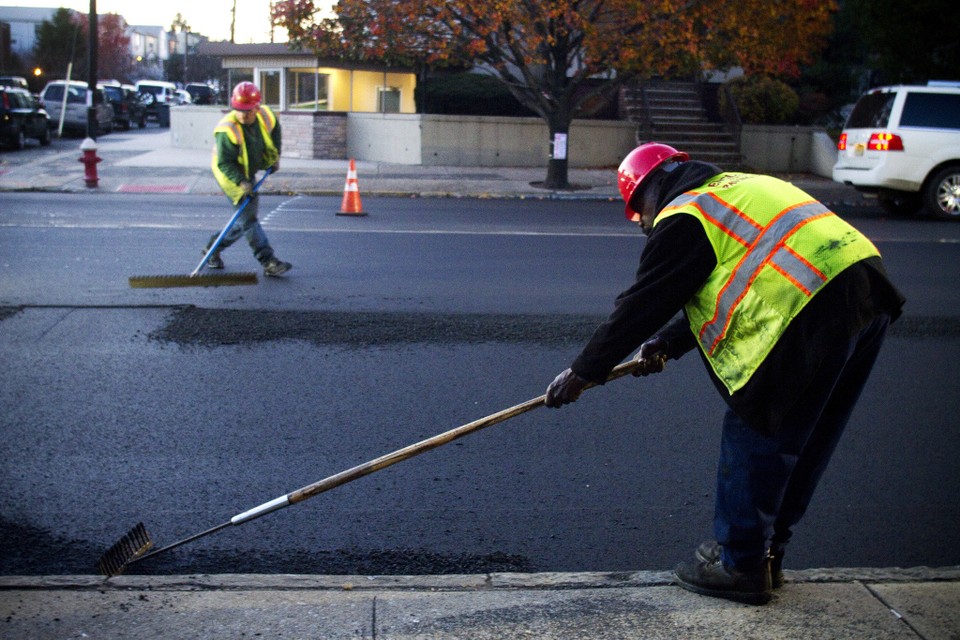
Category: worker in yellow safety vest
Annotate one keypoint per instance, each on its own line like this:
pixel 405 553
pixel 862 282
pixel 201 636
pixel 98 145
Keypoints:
pixel 788 306
pixel 246 140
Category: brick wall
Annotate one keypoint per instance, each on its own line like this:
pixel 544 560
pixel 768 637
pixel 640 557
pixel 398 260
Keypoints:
pixel 314 135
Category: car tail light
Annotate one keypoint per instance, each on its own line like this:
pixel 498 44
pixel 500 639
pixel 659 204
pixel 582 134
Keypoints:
pixel 842 144
pixel 885 142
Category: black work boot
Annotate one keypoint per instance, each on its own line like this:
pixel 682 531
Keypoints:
pixel 710 551
pixel 274 267
pixel 776 568
pixel 716 580
pixel 214 261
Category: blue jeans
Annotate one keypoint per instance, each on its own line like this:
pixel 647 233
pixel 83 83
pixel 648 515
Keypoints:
pixel 765 483
pixel 247 225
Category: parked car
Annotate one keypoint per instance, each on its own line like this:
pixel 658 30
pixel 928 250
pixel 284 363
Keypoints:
pixel 21 117
pixel 183 97
pixel 903 144
pixel 75 118
pixel 14 81
pixel 201 93
pixel 127 106
pixel 156 92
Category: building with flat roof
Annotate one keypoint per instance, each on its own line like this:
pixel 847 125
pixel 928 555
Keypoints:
pixel 297 80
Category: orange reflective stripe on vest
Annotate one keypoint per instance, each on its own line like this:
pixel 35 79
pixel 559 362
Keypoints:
pixel 764 247
pixel 770 263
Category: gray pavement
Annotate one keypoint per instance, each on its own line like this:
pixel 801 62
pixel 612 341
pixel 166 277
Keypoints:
pixel 842 603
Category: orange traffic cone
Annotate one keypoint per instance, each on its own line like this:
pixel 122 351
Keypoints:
pixel 351 194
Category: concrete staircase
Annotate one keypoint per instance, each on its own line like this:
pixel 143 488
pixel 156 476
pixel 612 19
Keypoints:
pixel 674 113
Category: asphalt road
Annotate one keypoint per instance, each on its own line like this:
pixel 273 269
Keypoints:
pixel 184 407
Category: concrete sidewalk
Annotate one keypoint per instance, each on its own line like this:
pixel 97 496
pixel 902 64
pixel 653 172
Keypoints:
pixel 843 604
pixel 144 161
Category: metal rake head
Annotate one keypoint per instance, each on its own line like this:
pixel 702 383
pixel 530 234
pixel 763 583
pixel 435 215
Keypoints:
pixel 129 548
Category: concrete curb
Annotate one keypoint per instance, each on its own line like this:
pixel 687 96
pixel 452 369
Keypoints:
pixel 458 582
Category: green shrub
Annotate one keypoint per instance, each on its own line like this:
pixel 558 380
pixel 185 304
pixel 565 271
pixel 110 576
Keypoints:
pixel 762 100
pixel 468 94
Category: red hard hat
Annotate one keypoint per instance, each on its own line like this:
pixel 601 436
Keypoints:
pixel 639 164
pixel 245 97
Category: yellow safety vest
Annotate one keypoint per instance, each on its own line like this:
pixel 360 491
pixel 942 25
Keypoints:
pixel 234 130
pixel 775 247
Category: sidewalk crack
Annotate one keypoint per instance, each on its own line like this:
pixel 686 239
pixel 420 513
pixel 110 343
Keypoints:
pixel 896 613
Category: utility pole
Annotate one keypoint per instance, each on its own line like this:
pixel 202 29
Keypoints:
pixel 93 45
pixel 186 53
pixel 233 20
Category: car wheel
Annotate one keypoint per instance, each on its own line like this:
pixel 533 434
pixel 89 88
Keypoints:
pixel 899 203
pixel 44 137
pixel 942 194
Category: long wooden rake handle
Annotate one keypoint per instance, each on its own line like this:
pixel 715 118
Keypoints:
pixel 134 547
pixel 407 452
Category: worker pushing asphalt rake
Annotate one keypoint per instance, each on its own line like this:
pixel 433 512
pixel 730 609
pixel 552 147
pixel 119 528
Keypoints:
pixel 136 544
pixel 195 278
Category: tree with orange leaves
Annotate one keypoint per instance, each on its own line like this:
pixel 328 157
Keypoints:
pixel 550 53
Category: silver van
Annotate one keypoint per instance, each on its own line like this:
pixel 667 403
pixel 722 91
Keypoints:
pixel 77 101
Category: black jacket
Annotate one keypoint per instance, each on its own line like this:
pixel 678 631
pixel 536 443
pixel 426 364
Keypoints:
pixel 677 260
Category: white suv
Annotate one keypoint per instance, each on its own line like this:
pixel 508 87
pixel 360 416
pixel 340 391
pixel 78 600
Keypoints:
pixel 903 144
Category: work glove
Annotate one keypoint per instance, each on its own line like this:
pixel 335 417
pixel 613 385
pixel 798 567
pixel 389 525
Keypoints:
pixel 564 389
pixel 276 166
pixel 651 357
pixel 246 187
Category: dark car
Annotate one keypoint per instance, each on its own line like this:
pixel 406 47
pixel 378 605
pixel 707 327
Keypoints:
pixel 14 81
pixel 22 117
pixel 128 106
pixel 201 93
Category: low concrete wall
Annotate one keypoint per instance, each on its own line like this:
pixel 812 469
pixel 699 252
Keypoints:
pixel 431 140
pixel 474 141
pixel 384 137
pixel 783 149
pixel 191 127
pixel 309 134
pixel 520 142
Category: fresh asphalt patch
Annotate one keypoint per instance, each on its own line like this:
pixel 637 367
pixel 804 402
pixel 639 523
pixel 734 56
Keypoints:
pixel 215 327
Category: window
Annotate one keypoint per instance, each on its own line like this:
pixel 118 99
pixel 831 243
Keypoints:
pixel 931 110
pixel 236 76
pixel 388 100
pixel 270 87
pixel 307 90
pixel 53 93
pixel 872 110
